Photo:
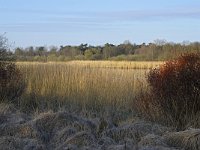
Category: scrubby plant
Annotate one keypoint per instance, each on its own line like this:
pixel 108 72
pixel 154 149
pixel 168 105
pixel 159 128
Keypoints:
pixel 175 89
pixel 11 81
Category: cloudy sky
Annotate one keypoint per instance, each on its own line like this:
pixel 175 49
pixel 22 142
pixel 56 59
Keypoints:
pixel 72 22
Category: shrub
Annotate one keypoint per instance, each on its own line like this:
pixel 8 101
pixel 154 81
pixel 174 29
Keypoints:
pixel 11 82
pixel 176 87
pixel 174 95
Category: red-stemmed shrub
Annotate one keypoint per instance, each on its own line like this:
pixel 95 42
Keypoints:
pixel 173 97
pixel 175 88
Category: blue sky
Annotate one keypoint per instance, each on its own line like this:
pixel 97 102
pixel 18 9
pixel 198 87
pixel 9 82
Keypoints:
pixel 72 22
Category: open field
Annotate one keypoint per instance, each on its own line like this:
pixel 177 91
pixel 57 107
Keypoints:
pixel 104 64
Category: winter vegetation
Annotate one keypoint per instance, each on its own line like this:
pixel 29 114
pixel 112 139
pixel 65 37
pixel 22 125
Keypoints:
pixel 78 103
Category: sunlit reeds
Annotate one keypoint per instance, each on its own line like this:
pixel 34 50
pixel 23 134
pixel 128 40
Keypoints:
pixel 92 85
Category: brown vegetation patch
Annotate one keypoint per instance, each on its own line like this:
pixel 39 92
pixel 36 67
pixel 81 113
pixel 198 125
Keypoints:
pixel 174 95
pixel 188 139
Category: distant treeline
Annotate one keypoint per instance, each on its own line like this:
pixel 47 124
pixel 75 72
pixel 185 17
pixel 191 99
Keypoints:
pixel 159 50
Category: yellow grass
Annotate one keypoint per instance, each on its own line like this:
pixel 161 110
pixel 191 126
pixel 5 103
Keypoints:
pixel 93 84
pixel 107 64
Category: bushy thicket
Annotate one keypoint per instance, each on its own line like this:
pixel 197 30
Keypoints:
pixel 174 94
pixel 11 81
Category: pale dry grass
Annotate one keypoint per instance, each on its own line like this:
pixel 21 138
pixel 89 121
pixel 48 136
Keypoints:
pixel 118 64
pixel 92 85
pixel 63 130
pixel 95 89
pixel 188 139
pixel 107 64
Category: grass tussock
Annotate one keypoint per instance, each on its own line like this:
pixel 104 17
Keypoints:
pixel 188 139
pixel 63 130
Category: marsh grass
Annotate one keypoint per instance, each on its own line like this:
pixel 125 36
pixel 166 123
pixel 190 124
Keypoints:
pixel 89 87
pixel 76 104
